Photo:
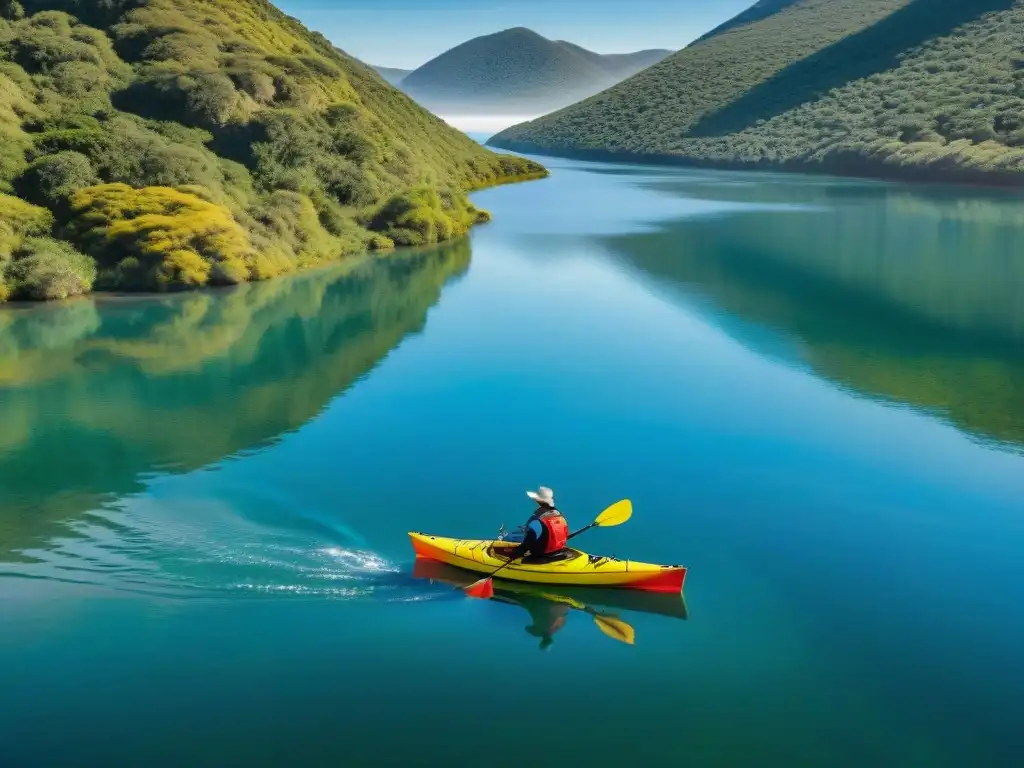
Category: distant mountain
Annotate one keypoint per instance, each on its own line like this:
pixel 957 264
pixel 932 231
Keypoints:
pixel 518 71
pixel 917 89
pixel 392 75
pixel 619 65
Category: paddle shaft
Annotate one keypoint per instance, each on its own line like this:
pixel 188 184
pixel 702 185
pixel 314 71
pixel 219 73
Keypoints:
pixel 506 565
pixel 489 576
pixel 603 518
pixel 581 530
pixel 501 567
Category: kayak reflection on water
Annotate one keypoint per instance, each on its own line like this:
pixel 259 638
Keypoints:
pixel 549 606
pixel 550 618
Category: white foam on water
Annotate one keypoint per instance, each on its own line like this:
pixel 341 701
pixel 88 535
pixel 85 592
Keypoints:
pixel 191 544
pixel 361 560
pixel 298 589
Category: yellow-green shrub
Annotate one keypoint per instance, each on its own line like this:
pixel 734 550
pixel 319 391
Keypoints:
pixel 159 238
pixel 14 105
pixel 19 220
pixel 42 269
pixel 290 220
pixel 425 215
pixel 33 265
pixel 379 242
pixel 52 178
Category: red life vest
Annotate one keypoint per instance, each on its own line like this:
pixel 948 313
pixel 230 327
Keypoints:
pixel 557 528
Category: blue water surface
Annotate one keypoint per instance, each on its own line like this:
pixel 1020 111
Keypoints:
pixel 811 389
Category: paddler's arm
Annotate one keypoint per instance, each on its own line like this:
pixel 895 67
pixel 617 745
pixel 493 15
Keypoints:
pixel 531 537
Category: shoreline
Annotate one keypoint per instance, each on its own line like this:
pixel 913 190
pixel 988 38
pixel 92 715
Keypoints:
pixel 127 296
pixel 852 167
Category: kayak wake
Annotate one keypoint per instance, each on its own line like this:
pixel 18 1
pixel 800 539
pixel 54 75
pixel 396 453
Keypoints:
pixel 225 542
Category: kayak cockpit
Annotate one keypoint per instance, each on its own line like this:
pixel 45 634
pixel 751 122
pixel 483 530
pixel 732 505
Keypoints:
pixel 502 552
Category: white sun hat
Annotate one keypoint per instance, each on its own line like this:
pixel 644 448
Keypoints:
pixel 543 496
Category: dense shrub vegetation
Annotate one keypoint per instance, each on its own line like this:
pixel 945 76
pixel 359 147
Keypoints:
pixel 157 236
pixel 425 215
pixel 913 88
pixel 762 9
pixel 180 143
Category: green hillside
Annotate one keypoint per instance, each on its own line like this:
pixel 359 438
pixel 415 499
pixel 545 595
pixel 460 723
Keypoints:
pixel 762 9
pixel 930 89
pixel 169 144
pixel 392 75
pixel 518 71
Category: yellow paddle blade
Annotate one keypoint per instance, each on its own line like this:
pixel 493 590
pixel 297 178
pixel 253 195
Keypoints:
pixel 615 628
pixel 616 514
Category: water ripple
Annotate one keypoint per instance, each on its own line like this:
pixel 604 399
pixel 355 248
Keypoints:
pixel 220 543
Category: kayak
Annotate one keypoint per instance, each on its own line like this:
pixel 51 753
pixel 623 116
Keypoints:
pixel 570 567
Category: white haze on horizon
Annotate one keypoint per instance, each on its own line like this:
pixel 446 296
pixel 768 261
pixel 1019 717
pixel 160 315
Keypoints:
pixel 489 124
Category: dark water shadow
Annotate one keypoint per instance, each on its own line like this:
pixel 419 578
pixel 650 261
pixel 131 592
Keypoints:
pixel 868 52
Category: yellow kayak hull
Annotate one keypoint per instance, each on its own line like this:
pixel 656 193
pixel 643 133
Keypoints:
pixel 574 569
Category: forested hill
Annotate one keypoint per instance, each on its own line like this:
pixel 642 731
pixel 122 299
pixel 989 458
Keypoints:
pixel 168 144
pixel 921 89
pixel 759 10
pixel 517 71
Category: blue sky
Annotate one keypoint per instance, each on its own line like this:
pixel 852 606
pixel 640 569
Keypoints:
pixel 407 33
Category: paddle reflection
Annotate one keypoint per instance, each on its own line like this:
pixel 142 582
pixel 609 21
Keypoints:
pixel 550 607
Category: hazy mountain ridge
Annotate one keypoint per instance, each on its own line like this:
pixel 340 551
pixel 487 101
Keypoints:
pixel 619 65
pixel 925 89
pixel 517 71
pixel 392 74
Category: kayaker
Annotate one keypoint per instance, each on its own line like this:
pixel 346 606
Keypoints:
pixel 546 532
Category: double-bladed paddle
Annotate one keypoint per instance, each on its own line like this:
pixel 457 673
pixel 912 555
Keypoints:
pixel 616 514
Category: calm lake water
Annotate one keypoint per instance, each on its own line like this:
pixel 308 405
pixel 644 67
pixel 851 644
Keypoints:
pixel 811 389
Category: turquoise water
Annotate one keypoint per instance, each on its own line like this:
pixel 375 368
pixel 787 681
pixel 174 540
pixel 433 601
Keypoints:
pixel 812 390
